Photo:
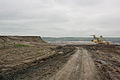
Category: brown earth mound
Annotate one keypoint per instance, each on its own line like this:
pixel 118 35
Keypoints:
pixel 16 52
pixel 21 38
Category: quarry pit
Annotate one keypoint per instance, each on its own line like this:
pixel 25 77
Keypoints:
pixel 31 58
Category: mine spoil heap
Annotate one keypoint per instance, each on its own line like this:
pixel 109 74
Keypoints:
pixel 21 38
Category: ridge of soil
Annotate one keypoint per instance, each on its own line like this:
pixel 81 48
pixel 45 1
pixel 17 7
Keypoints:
pixel 21 38
pixel 37 63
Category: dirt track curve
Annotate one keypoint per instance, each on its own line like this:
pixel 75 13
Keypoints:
pixel 79 67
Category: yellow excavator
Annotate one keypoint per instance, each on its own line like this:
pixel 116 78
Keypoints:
pixel 99 40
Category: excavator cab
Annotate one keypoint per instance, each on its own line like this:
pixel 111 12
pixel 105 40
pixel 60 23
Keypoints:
pixel 95 39
pixel 99 40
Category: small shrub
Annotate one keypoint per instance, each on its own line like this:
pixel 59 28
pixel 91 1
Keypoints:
pixel 4 44
pixel 20 45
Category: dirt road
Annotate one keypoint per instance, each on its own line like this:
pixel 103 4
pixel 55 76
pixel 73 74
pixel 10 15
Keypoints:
pixel 82 63
pixel 68 66
pixel 79 67
pixel 30 58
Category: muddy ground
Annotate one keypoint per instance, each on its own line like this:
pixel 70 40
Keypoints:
pixel 34 59
pixel 107 61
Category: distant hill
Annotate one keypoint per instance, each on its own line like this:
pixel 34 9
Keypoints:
pixel 79 39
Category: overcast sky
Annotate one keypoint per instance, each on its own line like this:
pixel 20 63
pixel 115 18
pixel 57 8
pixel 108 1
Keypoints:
pixel 60 17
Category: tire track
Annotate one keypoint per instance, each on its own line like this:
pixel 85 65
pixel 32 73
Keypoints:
pixel 79 67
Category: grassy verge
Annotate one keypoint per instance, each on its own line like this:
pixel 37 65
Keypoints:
pixel 3 45
pixel 20 45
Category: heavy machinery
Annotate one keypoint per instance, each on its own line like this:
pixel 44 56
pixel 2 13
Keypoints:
pixel 99 40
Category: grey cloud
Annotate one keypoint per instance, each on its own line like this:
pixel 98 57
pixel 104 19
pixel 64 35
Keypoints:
pixel 60 17
pixel 79 2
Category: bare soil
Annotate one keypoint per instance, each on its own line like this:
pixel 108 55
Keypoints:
pixel 79 67
pixel 42 61
pixel 33 62
pixel 107 61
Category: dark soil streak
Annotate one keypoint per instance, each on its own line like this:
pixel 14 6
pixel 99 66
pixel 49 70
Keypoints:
pixel 42 68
